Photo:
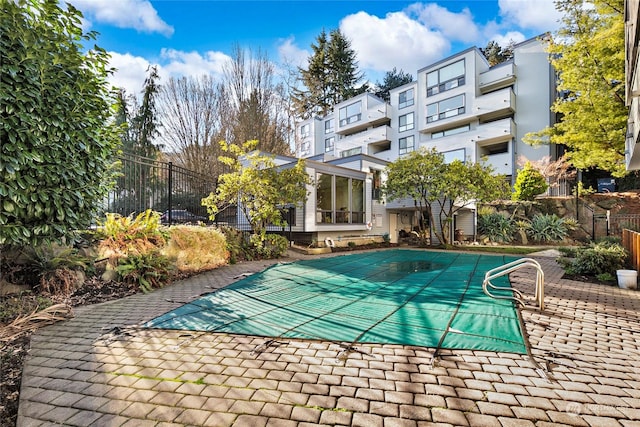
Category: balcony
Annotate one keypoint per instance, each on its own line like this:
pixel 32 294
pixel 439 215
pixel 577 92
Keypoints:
pixel 494 105
pixel 377 135
pixel 373 114
pixel 497 77
pixel 496 131
pixel 501 163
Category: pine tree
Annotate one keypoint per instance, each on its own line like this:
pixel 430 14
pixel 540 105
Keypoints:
pixel 392 79
pixel 330 78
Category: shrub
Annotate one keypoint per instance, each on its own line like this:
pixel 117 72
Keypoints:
pixel 529 183
pixel 123 236
pixel 147 270
pixel 236 244
pixel 547 228
pixel 272 246
pixel 597 259
pixel 58 269
pixel 196 249
pixel 496 228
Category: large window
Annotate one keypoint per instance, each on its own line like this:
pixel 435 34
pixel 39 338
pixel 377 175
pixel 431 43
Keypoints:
pixel 328 144
pixel 406 144
pixel 339 199
pixel 450 156
pixel 449 132
pixel 328 126
pixel 445 78
pixel 305 130
pixel 446 108
pixel 351 113
pixel 351 152
pixel 405 122
pixel 405 99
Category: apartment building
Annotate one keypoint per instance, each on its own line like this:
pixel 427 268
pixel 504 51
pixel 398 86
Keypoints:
pixel 632 77
pixel 462 106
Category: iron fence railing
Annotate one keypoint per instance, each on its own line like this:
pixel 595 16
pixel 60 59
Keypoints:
pixel 172 190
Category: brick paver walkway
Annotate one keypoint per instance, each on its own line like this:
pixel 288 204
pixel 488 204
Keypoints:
pixel 98 369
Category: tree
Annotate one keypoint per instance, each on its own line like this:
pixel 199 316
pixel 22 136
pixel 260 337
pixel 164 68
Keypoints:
pixel 588 54
pixel 330 78
pixel 144 126
pixel 190 111
pixel 253 106
pixel 529 183
pixel 496 54
pixel 392 79
pixel 257 186
pixel 58 139
pixel 424 177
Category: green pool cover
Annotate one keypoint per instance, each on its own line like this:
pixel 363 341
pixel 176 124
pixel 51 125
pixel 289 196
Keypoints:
pixel 401 296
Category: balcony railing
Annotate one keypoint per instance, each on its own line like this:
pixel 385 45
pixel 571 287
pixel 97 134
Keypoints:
pixel 497 77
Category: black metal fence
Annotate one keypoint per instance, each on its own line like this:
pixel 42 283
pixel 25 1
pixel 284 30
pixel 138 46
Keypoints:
pixel 172 190
pixel 600 223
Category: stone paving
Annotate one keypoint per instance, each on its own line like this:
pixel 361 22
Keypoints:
pixel 99 369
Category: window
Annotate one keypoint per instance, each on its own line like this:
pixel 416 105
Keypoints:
pixel 328 144
pixel 305 131
pixel 328 126
pixel 406 144
pixel 450 156
pixel 351 152
pixel 447 77
pixel 405 122
pixel 376 189
pixel 405 99
pixel 304 148
pixel 446 108
pixel 339 199
pixel 350 114
pixel 449 132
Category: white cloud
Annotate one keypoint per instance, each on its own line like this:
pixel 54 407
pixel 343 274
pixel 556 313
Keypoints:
pixel 395 41
pixel 178 63
pixel 137 14
pixel 454 26
pixel 505 39
pixel 132 70
pixel 539 15
pixel 290 53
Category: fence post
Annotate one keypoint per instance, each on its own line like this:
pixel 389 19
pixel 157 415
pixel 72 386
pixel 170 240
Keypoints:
pixel 170 191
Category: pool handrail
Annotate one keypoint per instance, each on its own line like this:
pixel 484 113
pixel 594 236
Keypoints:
pixel 509 268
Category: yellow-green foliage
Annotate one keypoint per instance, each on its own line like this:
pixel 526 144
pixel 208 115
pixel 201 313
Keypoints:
pixel 196 248
pixel 122 236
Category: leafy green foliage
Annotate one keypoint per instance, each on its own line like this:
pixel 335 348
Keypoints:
pixel 121 230
pixel 529 183
pixel 588 53
pixel 424 177
pixel 496 227
pixel 57 139
pixel 257 186
pixel 57 269
pixel 547 228
pixel 496 54
pixel 148 270
pixel 272 246
pixel 596 259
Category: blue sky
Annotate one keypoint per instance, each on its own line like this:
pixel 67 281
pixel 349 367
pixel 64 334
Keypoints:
pixel 188 37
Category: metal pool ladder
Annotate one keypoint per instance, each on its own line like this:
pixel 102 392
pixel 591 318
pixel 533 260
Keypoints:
pixel 505 269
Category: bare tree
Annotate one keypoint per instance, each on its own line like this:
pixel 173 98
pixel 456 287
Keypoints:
pixel 253 105
pixel 191 121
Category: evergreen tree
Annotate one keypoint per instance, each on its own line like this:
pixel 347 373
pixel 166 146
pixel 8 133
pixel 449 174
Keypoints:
pixel 588 54
pixel 330 78
pixel 392 79
pixel 496 54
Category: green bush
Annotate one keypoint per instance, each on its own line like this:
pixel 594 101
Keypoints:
pixel 547 228
pixel 529 183
pixel 496 227
pixel 272 246
pixel 148 270
pixel 597 259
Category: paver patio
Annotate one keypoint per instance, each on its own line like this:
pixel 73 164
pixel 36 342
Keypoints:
pixel 99 369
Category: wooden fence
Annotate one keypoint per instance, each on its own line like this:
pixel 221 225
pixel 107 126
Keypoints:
pixel 631 242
